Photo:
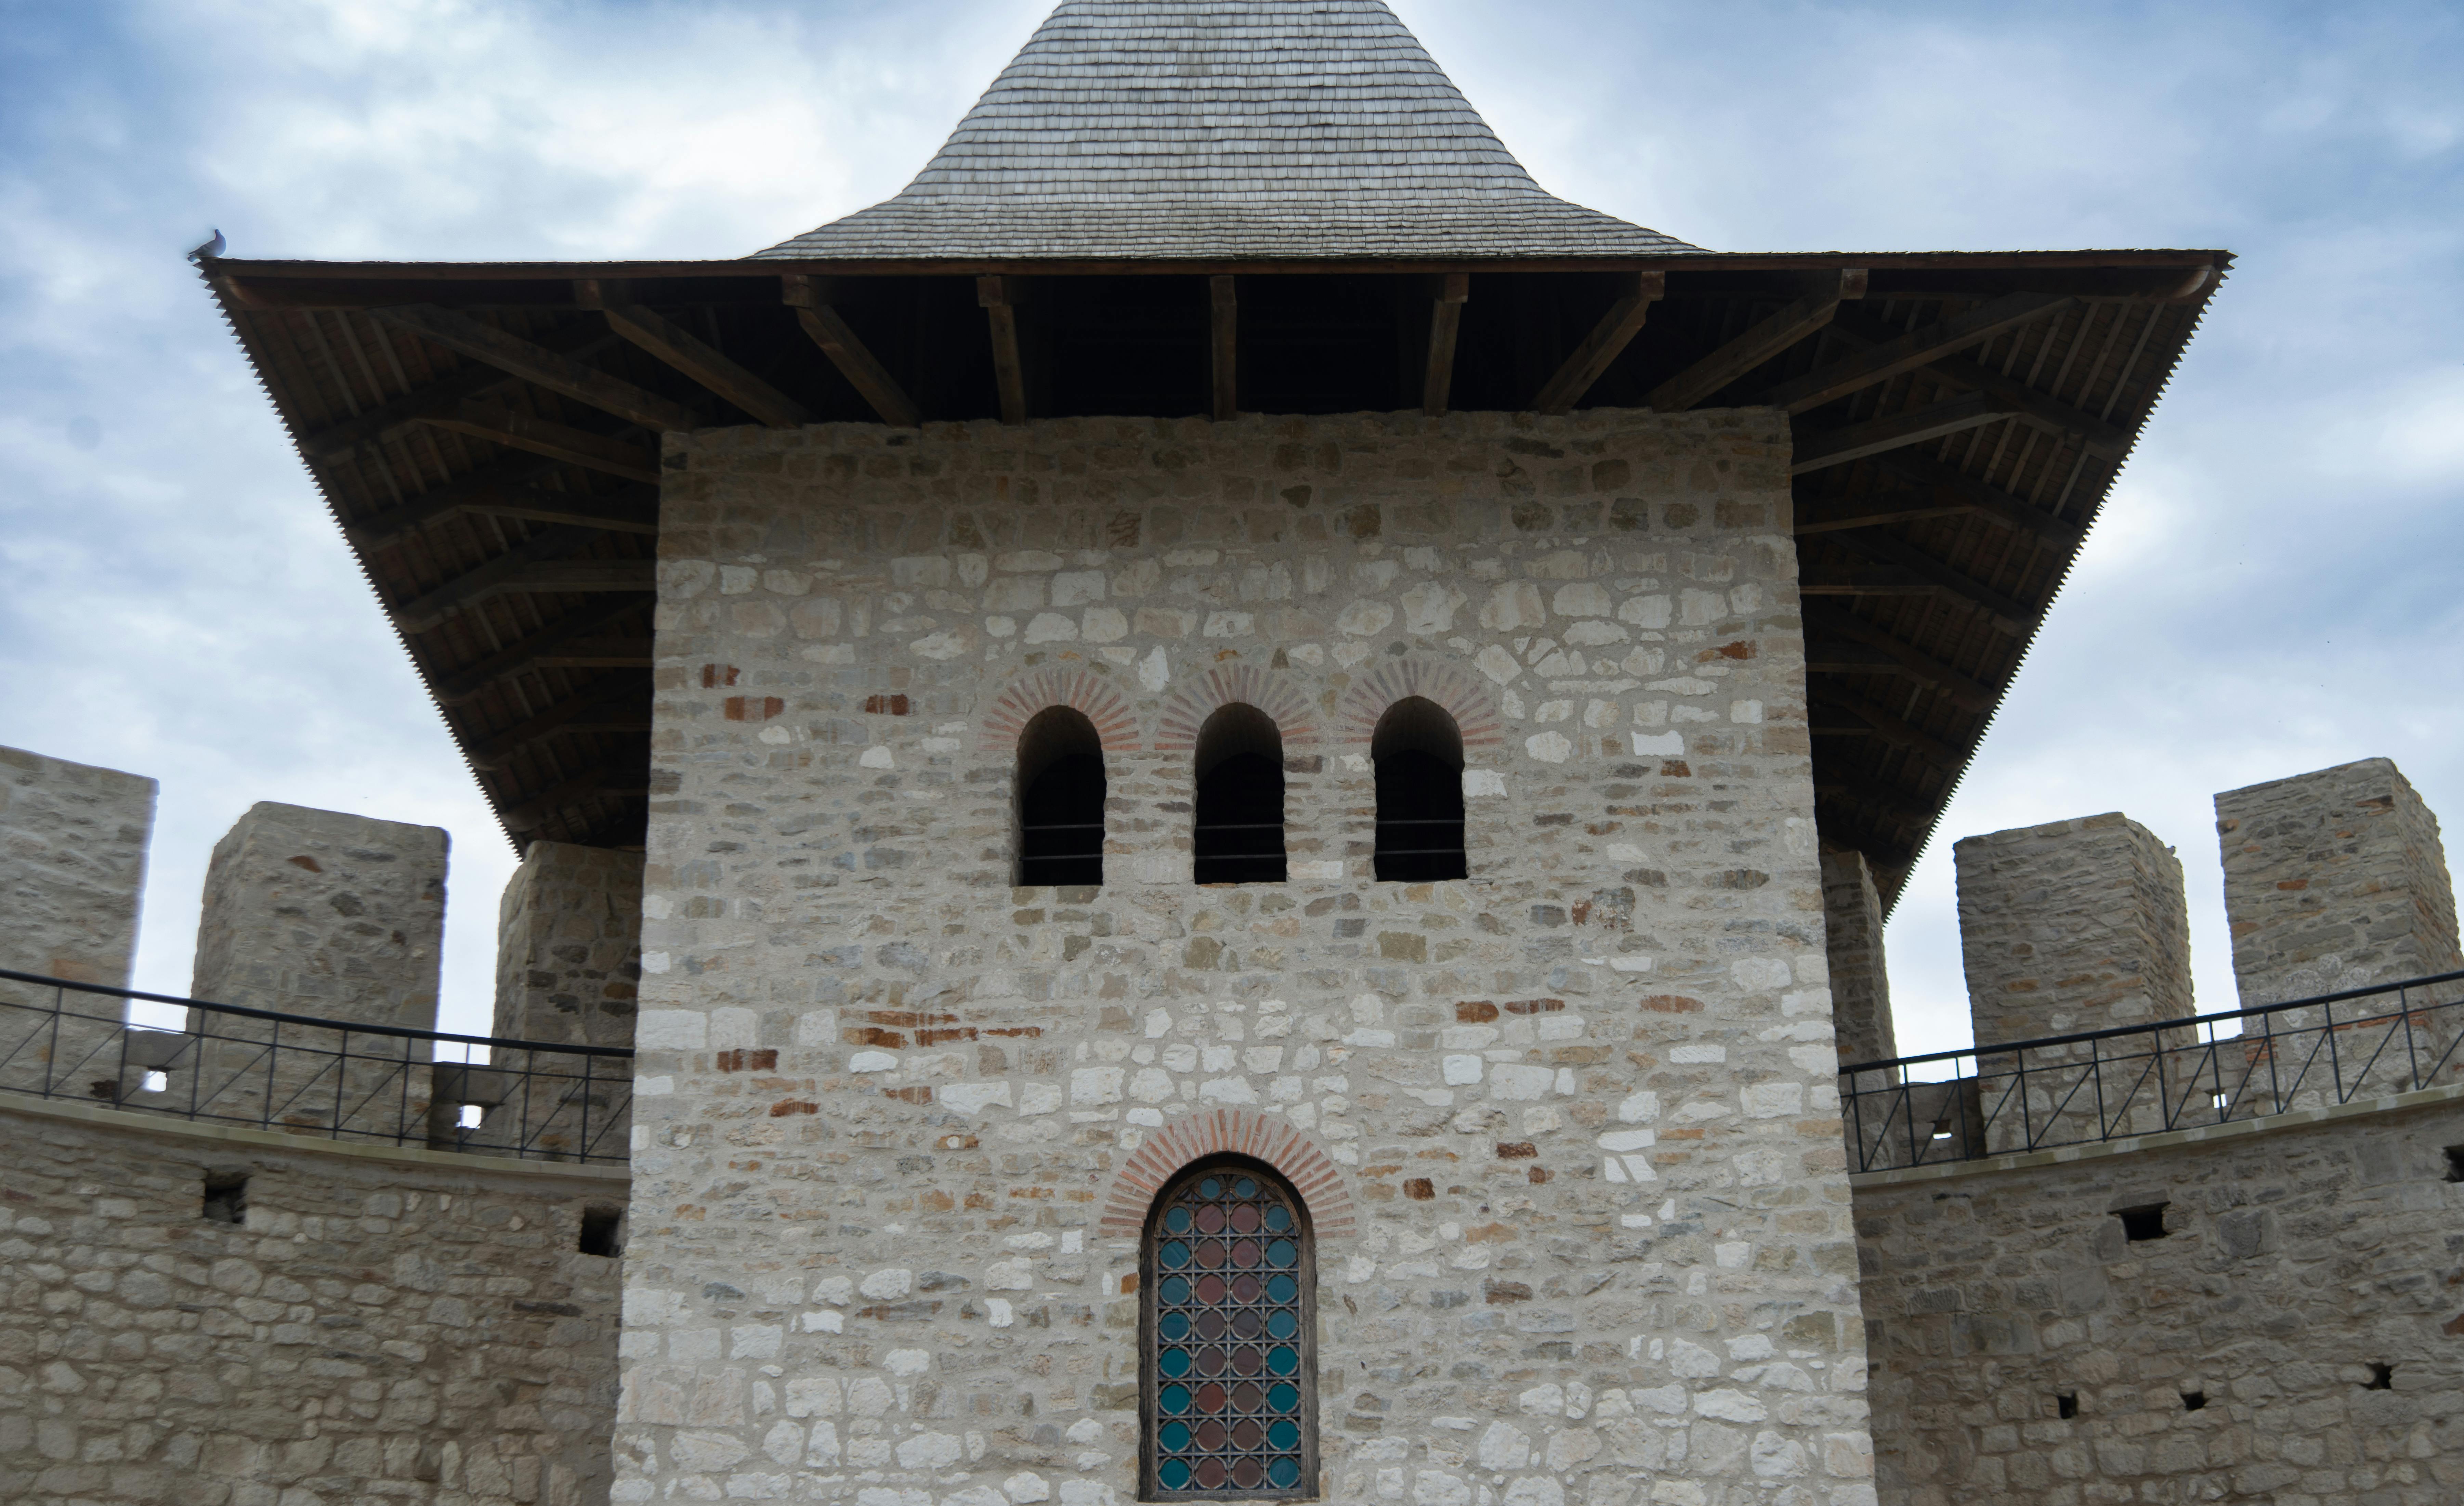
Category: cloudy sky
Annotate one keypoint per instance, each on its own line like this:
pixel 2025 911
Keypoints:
pixel 2275 586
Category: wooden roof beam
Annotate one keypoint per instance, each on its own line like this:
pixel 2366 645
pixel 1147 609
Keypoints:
pixel 687 352
pixel 2009 613
pixel 1825 621
pixel 600 707
pixel 557 441
pixel 1812 517
pixel 536 651
pixel 1898 807
pixel 336 443
pixel 600 781
pixel 633 510
pixel 1765 338
pixel 1224 344
pixel 999 298
pixel 534 565
pixel 600 653
pixel 1607 341
pixel 1894 730
pixel 1991 501
pixel 1918 347
pixel 2100 437
pixel 1820 447
pixel 535 363
pixel 1449 293
pixel 809 298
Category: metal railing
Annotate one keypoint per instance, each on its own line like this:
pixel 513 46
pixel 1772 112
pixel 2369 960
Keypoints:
pixel 369 1084
pixel 2144 1079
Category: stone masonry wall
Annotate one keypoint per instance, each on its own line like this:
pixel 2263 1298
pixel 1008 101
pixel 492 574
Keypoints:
pixel 1860 988
pixel 1594 1242
pixel 72 870
pixel 2294 1261
pixel 2334 879
pixel 569 947
pixel 394 1327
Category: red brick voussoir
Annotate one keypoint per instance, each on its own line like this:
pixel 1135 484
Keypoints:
pixel 1260 1137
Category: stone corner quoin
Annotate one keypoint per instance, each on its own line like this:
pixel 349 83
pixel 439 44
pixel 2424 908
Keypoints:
pixel 1569 1127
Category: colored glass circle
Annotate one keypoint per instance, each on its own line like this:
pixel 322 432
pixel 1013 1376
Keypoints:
pixel 1245 1359
pixel 1210 1436
pixel 1210 1326
pixel 1282 1324
pixel 1176 1325
pixel 1246 1188
pixel 1247 1473
pixel 1278 1220
pixel 1247 1434
pixel 1245 1254
pixel 1245 1397
pixel 1283 1360
pixel 1244 1219
pixel 1173 1475
pixel 1176 1222
pixel 1210 1253
pixel 1211 1187
pixel 1175 1291
pixel 1279 1289
pixel 1245 1324
pixel 1210 1220
pixel 1284 1398
pixel 1210 1398
pixel 1173 1399
pixel 1174 1436
pixel 1210 1475
pixel 1283 1254
pixel 1210 1362
pixel 1286 1433
pixel 1174 1363
pixel 1172 1255
pixel 1284 1474
pixel 1210 1289
pixel 1245 1288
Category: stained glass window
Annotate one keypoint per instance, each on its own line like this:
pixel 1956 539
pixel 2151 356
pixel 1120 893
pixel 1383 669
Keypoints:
pixel 1229 1331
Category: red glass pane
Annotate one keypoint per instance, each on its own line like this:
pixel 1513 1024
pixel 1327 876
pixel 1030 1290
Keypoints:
pixel 1245 1254
pixel 1210 1326
pixel 1210 1435
pixel 1210 1398
pixel 1246 1324
pixel 1210 1362
pixel 1210 1253
pixel 1245 1218
pixel 1248 1397
pixel 1247 1473
pixel 1246 1360
pixel 1247 1434
pixel 1210 1475
pixel 1245 1288
pixel 1210 1219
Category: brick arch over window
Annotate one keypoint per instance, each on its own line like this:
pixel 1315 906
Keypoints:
pixel 1116 723
pixel 1447 684
pixel 1260 1137
pixel 1193 700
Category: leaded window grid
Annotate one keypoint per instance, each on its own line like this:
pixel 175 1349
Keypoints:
pixel 1157 1480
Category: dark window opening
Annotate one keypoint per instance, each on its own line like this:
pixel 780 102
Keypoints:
pixel 1239 831
pixel 2382 1379
pixel 1060 791
pixel 599 1231
pixel 2143 1223
pixel 1228 1330
pixel 2193 1401
pixel 2455 1163
pixel 1418 753
pixel 2066 1404
pixel 225 1197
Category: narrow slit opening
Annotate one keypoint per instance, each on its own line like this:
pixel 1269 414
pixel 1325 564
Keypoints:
pixel 600 1231
pixel 1060 791
pixel 2143 1223
pixel 2066 1404
pixel 1417 750
pixel 2382 1378
pixel 1239 829
pixel 226 1200
pixel 2455 1163
pixel 2193 1401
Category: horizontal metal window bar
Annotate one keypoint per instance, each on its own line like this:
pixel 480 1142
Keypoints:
pixel 1239 826
pixel 2178 1023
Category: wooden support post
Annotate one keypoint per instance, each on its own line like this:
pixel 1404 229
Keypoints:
pixel 1450 292
pixel 690 354
pixel 535 363
pixel 1225 342
pixel 1766 338
pixel 808 298
pixel 1606 342
pixel 997 298
pixel 556 441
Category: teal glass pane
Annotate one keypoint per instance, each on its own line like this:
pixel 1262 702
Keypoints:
pixel 1284 1398
pixel 1283 1360
pixel 1174 1326
pixel 1286 1433
pixel 1283 1254
pixel 1282 1289
pixel 1173 1256
pixel 1174 1436
pixel 1175 1291
pixel 1278 1220
pixel 1174 1363
pixel 1177 1221
pixel 1283 1325
pixel 1245 1189
pixel 1173 1399
pixel 1174 1474
pixel 1211 1189
pixel 1284 1474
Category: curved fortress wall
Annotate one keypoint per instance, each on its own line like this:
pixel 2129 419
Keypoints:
pixel 1577 1111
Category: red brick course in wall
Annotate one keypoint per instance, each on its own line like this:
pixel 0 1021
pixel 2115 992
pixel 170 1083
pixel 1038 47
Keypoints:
pixel 1117 725
pixel 1260 1137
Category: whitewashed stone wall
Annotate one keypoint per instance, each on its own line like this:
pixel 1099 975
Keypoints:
pixel 1583 1101
pixel 2294 1261
pixel 381 1327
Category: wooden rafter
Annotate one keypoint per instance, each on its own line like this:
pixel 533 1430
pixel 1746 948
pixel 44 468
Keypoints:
pixel 1898 808
pixel 536 651
pixel 1873 509
pixel 1767 338
pixel 623 707
pixel 535 564
pixel 706 364
pixel 1892 729
pixel 535 363
pixel 1817 448
pixel 601 654
pixel 1916 348
pixel 634 509
pixel 1449 293
pixel 336 443
pixel 825 327
pixel 1823 620
pixel 600 781
pixel 2007 613
pixel 2100 437
pixel 1636 292
pixel 1223 344
pixel 1989 501
pixel 557 441
pixel 999 298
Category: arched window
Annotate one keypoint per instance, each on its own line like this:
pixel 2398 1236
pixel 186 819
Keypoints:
pixel 1059 799
pixel 1229 1338
pixel 1419 752
pixel 1239 826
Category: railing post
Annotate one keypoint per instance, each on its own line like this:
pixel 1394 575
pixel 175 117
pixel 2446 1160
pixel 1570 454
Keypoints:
pixel 587 1062
pixel 52 1051
pixel 2411 1058
pixel 2335 1066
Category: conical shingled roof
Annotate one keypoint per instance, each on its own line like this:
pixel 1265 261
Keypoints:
pixel 1224 129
